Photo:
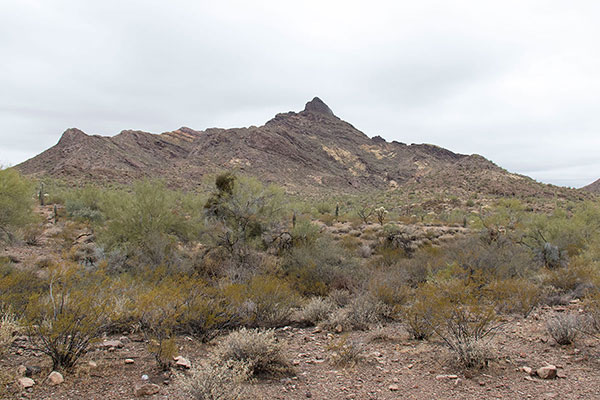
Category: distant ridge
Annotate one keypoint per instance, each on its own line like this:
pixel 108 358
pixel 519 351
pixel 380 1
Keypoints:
pixel 307 151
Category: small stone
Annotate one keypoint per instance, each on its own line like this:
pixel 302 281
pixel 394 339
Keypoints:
pixel 442 377
pixel 26 382
pixel 317 330
pixel 55 378
pixel 129 361
pixel 339 328
pixel 147 389
pixel 295 362
pixel 124 340
pixel 308 395
pixel 21 370
pixel 528 378
pixel 92 364
pixel 182 362
pixel 145 377
pixel 394 388
pixel 547 372
pixel 528 370
pixel 457 382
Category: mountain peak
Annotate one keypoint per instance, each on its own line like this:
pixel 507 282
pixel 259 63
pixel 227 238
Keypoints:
pixel 317 106
pixel 72 135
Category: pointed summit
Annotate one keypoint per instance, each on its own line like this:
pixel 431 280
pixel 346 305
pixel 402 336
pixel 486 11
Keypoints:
pixel 317 106
pixel 72 135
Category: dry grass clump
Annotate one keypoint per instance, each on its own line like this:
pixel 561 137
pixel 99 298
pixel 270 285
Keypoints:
pixel 9 325
pixel 345 352
pixel 259 350
pixel 317 310
pixel 360 314
pixel 564 328
pixel 217 381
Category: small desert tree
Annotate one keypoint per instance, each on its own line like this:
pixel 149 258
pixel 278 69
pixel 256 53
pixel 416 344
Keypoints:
pixel 16 202
pixel 243 209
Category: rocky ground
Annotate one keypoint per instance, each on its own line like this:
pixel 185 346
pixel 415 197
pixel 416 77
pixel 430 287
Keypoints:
pixel 391 367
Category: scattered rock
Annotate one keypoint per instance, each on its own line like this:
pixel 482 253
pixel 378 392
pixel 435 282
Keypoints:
pixel 442 377
pixel 339 328
pixel 21 370
pixel 547 372
pixel 55 378
pixel 129 361
pixel 147 389
pixel 394 388
pixel 124 340
pixel 528 370
pixel 182 362
pixel 107 344
pixel 26 382
pixel 92 364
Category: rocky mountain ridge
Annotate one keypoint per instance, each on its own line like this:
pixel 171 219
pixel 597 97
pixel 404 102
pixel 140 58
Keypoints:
pixel 312 150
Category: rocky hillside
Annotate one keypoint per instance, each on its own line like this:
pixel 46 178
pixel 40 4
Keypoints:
pixel 593 187
pixel 312 150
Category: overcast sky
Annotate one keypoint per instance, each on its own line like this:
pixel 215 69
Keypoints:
pixel 515 81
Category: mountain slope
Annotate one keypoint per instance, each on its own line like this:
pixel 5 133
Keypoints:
pixel 593 187
pixel 312 150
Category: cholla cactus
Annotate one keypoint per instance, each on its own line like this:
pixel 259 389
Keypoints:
pixel 381 212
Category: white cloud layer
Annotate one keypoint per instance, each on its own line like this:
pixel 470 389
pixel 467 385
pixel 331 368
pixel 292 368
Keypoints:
pixel 515 81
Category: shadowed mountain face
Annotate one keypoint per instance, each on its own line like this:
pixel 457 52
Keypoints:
pixel 309 151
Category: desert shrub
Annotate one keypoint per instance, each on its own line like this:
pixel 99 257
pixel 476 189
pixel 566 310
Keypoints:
pixel 592 306
pixel 9 326
pixel 514 295
pixel 324 207
pixel 214 380
pixel 564 328
pixel 32 234
pixel 316 310
pixel 242 209
pixel 145 225
pixel 16 285
pixel 568 278
pixel 418 316
pixel 345 352
pixel 259 350
pixel 265 301
pixel 360 314
pixel 64 320
pixel 85 204
pixel 316 269
pixel 305 233
pixel 463 317
pixel 390 289
pixel 15 202
pixel 340 297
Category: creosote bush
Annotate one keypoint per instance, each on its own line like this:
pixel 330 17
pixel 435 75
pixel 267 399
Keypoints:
pixel 65 319
pixel 346 352
pixel 259 350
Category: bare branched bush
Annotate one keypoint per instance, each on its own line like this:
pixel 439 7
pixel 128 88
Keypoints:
pixel 564 328
pixel 217 381
pixel 259 350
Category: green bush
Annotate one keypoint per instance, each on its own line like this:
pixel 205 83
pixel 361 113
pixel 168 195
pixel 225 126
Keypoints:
pixel 16 202
pixel 317 268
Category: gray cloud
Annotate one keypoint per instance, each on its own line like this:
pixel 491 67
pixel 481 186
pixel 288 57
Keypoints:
pixel 514 81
